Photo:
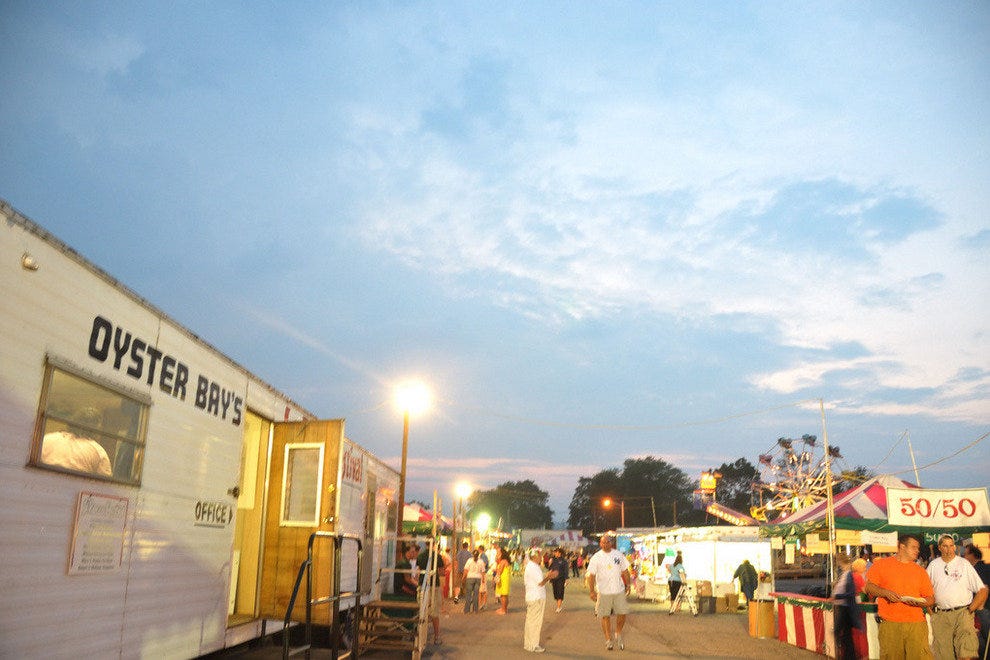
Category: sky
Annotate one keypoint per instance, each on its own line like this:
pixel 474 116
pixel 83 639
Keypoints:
pixel 597 231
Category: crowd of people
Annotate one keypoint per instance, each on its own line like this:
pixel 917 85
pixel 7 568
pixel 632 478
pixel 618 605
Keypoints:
pixel 481 576
pixel 924 610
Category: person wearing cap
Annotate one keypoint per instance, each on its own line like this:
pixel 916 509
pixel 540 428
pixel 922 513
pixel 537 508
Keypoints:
pixel 608 582
pixel 536 599
pixel 959 592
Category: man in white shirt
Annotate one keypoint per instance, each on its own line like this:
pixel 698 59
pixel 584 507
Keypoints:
pixel 75 452
pixel 959 592
pixel 536 599
pixel 608 582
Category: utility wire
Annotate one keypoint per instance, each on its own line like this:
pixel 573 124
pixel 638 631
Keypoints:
pixel 952 455
pixel 626 427
pixel 892 448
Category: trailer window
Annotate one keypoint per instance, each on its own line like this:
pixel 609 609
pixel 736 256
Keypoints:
pixel 90 429
pixel 301 484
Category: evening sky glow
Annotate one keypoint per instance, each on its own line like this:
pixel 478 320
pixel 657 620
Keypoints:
pixel 597 231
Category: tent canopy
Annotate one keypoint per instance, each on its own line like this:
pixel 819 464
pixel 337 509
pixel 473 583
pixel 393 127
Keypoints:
pixel 863 507
pixel 418 520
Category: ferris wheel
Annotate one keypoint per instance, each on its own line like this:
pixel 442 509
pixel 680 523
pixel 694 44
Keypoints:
pixel 793 475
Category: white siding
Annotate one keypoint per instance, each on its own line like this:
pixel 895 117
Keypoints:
pixel 169 597
pixel 351 505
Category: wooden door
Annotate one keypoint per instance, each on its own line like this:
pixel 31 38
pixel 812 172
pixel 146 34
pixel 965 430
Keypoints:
pixel 302 498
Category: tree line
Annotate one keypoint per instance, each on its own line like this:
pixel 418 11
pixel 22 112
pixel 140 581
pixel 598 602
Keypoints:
pixel 646 491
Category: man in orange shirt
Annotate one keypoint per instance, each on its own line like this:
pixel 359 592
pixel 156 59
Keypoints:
pixel 902 588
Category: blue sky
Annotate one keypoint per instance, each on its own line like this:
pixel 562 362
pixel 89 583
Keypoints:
pixel 598 230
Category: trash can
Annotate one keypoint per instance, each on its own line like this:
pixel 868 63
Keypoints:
pixel 706 605
pixel 761 619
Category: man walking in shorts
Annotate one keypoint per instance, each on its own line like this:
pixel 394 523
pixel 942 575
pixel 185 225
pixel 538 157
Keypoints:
pixel 608 582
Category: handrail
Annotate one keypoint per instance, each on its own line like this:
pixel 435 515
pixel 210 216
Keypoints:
pixel 306 569
pixel 426 589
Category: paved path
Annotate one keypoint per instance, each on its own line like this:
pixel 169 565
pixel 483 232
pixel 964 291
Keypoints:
pixel 576 633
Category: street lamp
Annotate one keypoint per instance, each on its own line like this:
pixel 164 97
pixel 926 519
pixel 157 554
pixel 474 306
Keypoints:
pixel 607 503
pixel 411 397
pixel 462 490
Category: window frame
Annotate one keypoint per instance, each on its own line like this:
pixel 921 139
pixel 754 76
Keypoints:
pixel 288 485
pixel 139 440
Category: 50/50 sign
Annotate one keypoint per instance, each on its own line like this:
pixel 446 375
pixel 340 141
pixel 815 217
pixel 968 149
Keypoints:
pixel 947 507
pixel 938 508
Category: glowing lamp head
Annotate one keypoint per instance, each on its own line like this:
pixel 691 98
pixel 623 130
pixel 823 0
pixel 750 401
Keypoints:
pixel 484 522
pixel 412 397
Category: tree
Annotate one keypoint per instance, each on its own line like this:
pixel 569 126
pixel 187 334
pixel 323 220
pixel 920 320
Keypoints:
pixel 585 508
pixel 641 486
pixel 735 488
pixel 518 504
pixel 849 479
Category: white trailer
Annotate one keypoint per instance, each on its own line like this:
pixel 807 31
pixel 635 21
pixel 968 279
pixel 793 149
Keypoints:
pixel 157 498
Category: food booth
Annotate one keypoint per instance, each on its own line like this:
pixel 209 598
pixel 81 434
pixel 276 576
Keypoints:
pixel 873 514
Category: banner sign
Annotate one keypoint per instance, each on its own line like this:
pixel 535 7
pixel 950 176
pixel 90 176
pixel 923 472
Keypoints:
pixel 848 537
pixel 922 507
pixel 888 539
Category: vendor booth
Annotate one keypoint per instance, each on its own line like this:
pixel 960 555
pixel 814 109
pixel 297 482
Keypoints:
pixel 711 556
pixel 873 514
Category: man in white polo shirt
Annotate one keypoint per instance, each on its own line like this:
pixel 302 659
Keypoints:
pixel 536 599
pixel 608 582
pixel 959 592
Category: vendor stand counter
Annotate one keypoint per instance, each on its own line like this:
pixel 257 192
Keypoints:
pixel 806 622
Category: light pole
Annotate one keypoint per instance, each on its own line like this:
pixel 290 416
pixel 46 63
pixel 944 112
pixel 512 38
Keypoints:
pixel 462 490
pixel 608 501
pixel 410 397
pixel 402 473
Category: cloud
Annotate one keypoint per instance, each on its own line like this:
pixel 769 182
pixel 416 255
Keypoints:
pixel 106 54
pixel 979 242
